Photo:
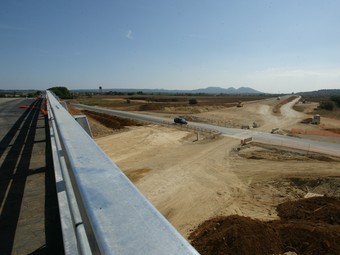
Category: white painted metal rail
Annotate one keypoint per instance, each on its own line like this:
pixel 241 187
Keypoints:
pixel 102 212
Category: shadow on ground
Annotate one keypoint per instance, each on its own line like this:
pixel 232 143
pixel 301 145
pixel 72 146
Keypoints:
pixel 17 155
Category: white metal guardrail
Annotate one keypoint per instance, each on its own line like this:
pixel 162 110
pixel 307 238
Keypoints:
pixel 68 208
pixel 102 212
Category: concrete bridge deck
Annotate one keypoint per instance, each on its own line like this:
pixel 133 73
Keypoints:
pixel 29 216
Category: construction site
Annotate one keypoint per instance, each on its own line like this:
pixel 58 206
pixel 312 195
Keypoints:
pixel 228 198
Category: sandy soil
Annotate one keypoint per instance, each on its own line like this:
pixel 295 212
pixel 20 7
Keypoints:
pixel 190 181
pixel 262 113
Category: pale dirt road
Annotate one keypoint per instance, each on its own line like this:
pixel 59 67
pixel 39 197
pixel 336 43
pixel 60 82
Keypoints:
pixel 260 112
pixel 191 181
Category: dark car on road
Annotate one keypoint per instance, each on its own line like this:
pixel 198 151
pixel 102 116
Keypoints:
pixel 180 120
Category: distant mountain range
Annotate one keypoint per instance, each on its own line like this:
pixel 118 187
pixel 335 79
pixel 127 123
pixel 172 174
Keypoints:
pixel 231 90
pixel 209 90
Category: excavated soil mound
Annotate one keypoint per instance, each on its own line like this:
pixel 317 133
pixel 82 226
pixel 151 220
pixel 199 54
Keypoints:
pixel 236 235
pixel 308 237
pixel 325 209
pixel 308 226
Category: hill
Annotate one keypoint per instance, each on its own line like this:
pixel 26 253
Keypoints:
pixel 231 90
pixel 321 93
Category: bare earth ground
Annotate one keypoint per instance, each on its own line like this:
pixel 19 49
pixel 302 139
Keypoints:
pixel 191 181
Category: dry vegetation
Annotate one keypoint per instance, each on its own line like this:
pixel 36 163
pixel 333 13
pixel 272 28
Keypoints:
pixel 311 105
pixel 169 104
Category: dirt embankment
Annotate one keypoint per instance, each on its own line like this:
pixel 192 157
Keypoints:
pixel 102 124
pixel 309 226
pixel 277 107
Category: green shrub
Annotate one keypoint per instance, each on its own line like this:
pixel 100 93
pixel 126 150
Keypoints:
pixel 62 92
pixel 336 99
pixel 327 105
pixel 193 101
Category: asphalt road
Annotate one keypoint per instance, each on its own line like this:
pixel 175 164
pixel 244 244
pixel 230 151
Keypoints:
pixel 29 217
pixel 260 137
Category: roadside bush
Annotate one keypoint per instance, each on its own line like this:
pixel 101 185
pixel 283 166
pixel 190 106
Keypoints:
pixel 62 92
pixel 327 105
pixel 193 101
pixel 336 99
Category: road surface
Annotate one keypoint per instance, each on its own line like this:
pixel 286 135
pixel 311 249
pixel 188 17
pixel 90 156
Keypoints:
pixel 261 137
pixel 29 219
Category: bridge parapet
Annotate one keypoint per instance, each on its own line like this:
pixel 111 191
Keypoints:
pixel 102 212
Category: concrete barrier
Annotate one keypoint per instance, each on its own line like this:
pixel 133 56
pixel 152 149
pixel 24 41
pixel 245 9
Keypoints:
pixel 246 140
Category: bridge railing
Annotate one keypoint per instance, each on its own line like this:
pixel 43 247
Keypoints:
pixel 101 211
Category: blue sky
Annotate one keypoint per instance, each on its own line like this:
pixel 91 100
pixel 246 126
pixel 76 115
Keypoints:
pixel 272 46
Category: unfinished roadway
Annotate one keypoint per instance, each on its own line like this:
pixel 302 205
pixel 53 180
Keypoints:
pixel 260 137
